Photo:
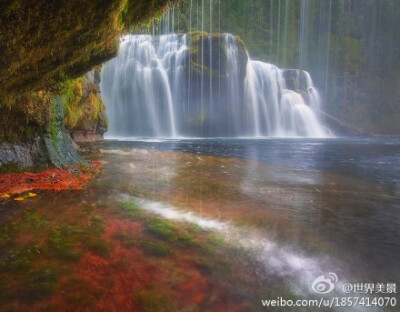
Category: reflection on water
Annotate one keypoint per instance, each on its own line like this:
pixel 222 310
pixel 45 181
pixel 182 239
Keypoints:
pixel 278 260
pixel 336 196
pixel 206 225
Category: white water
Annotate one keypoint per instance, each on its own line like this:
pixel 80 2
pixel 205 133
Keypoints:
pixel 151 91
pixel 301 270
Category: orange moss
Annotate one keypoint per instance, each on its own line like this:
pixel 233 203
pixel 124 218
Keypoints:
pixel 50 179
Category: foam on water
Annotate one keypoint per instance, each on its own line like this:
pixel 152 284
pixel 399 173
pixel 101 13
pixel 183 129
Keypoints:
pixel 298 269
pixel 151 91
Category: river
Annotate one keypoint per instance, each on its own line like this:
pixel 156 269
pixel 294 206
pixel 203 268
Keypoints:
pixel 274 215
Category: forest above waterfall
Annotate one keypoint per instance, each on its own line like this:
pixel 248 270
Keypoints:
pixel 350 47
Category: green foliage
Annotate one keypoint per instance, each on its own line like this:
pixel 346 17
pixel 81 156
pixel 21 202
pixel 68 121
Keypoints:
pixel 347 52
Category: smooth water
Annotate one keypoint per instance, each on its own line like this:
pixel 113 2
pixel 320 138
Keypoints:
pixel 208 225
pixel 152 89
pixel 338 195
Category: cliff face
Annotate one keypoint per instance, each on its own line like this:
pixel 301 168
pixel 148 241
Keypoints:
pixel 85 117
pixel 45 40
pixel 44 46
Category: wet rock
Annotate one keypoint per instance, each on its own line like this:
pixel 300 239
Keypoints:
pixel 25 154
pixel 85 119
pixel 296 79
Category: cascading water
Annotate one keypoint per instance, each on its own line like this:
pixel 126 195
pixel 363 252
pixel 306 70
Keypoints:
pixel 154 88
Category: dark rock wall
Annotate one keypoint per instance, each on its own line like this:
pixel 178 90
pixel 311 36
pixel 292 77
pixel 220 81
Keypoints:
pixel 44 46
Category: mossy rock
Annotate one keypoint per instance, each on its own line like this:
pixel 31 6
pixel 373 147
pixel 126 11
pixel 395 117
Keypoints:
pixel 295 79
pixel 155 249
pixel 42 41
pixel 213 61
pixel 84 108
pixel 62 244
pixel 46 43
pixel 152 300
pixel 161 229
pixel 131 209
pixel 40 284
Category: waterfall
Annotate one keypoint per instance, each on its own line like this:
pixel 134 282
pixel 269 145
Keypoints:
pixel 154 88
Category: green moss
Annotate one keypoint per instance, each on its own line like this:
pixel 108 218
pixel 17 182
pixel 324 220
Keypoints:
pixel 131 208
pixel 32 220
pixel 126 239
pixel 84 108
pixel 25 120
pixel 200 64
pixel 80 294
pixel 62 38
pixel 62 243
pixel 179 234
pixel 99 246
pixel 136 12
pixel 10 168
pixel 155 249
pixel 40 284
pixel 214 65
pixel 17 260
pixel 58 144
pixel 44 43
pixel 152 300
pixel 213 241
pixel 160 228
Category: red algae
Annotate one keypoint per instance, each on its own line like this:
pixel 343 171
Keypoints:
pixel 50 179
pixel 121 265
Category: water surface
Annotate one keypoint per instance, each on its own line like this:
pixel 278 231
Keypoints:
pixel 337 195
pixel 206 225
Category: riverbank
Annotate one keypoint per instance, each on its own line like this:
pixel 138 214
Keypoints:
pixel 20 186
